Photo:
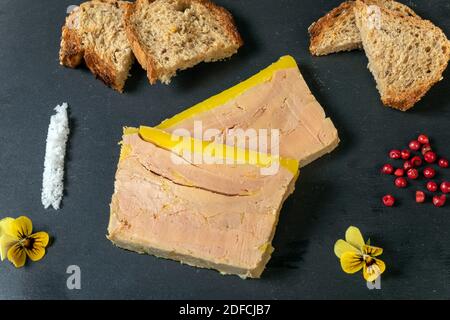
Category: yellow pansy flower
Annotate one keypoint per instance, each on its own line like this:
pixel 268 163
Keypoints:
pixel 355 255
pixel 17 241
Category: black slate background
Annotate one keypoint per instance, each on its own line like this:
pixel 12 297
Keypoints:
pixel 340 189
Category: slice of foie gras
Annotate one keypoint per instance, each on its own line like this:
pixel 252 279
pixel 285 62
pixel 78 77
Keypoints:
pixel 275 98
pixel 217 216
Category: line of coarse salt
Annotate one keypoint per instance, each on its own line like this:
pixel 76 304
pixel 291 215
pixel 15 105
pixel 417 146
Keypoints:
pixel 55 151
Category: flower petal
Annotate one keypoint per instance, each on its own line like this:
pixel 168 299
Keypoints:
pixel 6 242
pixel 40 238
pixel 19 228
pixel 351 262
pixel 40 241
pixel 354 237
pixel 36 253
pixel 24 226
pixel 17 255
pixel 4 225
pixel 341 247
pixel 373 270
pixel 4 221
pixel 372 251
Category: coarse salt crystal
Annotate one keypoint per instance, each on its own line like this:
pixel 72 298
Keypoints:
pixel 53 177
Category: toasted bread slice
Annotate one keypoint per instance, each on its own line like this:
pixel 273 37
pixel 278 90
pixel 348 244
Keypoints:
pixel 406 56
pixel 337 31
pixel 171 35
pixel 95 32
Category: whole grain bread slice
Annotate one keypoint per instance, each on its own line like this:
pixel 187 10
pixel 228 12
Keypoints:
pixel 171 35
pixel 337 31
pixel 95 32
pixel 406 56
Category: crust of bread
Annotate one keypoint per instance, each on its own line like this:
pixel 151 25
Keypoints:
pixel 320 30
pixel 145 59
pixel 316 30
pixel 227 20
pixel 72 54
pixel 101 70
pixel 406 100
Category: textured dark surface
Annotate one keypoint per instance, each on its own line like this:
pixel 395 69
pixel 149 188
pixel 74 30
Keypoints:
pixel 341 189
